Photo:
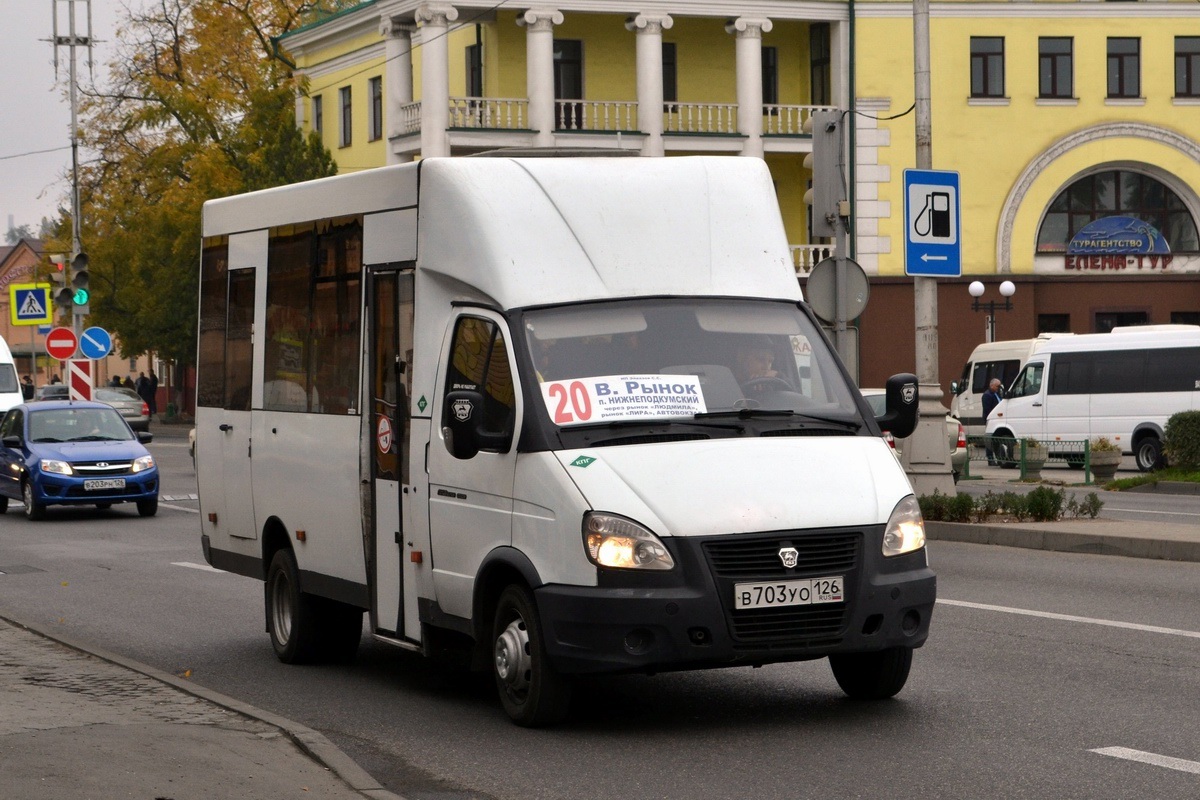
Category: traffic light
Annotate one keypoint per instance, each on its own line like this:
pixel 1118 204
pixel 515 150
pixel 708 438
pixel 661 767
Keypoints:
pixel 64 295
pixel 79 283
pixel 828 195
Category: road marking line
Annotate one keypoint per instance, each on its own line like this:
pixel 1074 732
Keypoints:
pixel 180 508
pixel 1149 511
pixel 190 565
pixel 1070 618
pixel 1150 758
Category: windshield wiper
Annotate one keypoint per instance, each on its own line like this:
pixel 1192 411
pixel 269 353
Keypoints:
pixel 641 423
pixel 94 438
pixel 778 413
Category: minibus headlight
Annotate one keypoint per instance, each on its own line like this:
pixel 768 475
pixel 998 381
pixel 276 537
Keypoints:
pixel 620 543
pixel 905 529
pixel 56 466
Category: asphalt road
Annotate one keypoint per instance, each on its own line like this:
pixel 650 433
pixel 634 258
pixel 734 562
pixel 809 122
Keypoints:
pixel 1036 661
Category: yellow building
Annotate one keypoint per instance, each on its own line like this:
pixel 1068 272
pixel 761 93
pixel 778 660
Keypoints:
pixel 1073 126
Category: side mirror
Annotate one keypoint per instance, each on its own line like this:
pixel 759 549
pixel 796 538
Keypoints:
pixel 12 440
pixel 901 400
pixel 145 437
pixel 954 387
pixel 461 417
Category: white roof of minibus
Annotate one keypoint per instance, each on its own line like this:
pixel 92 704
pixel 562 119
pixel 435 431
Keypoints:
pixel 534 231
pixel 1127 338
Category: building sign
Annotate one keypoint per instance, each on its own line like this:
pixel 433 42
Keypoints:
pixel 1116 235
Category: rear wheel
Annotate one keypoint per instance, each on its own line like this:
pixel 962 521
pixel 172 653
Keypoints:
pixel 1149 454
pixel 291 614
pixel 532 692
pixel 148 508
pixel 872 676
pixel 3 504
pixel 33 509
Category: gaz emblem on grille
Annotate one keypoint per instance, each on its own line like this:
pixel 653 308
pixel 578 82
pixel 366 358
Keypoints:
pixel 789 556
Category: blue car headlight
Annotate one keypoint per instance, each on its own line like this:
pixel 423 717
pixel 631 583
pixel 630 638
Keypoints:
pixel 55 466
pixel 143 463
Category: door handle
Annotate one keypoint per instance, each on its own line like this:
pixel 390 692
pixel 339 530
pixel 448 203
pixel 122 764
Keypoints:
pixel 1037 405
pixel 225 426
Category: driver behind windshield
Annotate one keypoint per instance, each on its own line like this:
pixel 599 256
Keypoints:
pixel 754 364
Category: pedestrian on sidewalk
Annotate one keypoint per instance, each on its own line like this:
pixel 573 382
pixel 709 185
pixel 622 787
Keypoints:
pixel 991 399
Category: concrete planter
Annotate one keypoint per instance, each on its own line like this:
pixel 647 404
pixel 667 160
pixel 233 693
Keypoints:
pixel 1105 464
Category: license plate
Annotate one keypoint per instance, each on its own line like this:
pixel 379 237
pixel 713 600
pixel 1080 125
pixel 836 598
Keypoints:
pixel 772 594
pixel 106 483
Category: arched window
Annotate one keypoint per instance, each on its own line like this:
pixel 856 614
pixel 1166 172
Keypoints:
pixel 1116 193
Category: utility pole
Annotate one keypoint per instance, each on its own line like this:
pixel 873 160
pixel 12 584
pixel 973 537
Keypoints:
pixel 926 457
pixel 72 40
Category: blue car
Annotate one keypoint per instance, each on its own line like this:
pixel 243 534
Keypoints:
pixel 61 452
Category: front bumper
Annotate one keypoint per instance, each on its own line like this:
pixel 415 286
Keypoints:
pixel 685 619
pixel 52 489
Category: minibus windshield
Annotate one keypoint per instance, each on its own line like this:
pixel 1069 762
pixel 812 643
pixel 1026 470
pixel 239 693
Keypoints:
pixel 690 358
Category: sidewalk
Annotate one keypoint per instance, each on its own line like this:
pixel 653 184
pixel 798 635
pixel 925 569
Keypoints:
pixel 80 724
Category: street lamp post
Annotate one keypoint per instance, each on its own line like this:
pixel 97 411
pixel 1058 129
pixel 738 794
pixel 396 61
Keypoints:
pixel 1007 289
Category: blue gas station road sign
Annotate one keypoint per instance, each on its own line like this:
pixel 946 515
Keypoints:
pixel 95 343
pixel 932 228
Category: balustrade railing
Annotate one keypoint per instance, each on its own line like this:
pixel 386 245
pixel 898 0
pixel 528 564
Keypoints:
pixel 780 120
pixel 807 256
pixel 595 115
pixel 700 117
pixel 491 113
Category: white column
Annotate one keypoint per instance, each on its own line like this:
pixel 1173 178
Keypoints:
pixel 398 76
pixel 649 29
pixel 539 70
pixel 435 19
pixel 748 51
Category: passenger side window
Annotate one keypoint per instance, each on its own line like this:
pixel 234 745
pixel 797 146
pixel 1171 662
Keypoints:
pixel 11 424
pixel 479 362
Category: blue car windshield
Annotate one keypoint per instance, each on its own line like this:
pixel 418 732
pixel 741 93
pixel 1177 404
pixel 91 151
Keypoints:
pixel 78 425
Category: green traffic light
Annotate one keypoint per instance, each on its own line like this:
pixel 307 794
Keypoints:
pixel 80 298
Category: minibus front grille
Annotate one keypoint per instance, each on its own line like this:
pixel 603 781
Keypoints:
pixel 751 558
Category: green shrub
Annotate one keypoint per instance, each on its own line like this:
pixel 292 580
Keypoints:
pixel 960 507
pixel 1014 505
pixel 1045 504
pixel 1181 439
pixel 934 506
pixel 986 507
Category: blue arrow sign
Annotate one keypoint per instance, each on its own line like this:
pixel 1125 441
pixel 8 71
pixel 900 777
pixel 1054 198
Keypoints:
pixel 95 343
pixel 933 232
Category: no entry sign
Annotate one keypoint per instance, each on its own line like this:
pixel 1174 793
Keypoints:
pixel 60 343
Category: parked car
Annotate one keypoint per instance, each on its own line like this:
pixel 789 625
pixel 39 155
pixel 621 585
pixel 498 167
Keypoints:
pixel 133 408
pixel 61 452
pixel 52 391
pixel 956 436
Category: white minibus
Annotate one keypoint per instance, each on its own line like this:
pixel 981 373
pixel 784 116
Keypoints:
pixel 1122 386
pixel 10 384
pixel 1002 360
pixel 548 413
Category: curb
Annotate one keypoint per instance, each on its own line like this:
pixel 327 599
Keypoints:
pixel 1063 541
pixel 1167 487
pixel 311 743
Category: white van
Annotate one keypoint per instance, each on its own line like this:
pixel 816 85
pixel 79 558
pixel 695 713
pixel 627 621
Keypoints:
pixel 10 384
pixel 1001 360
pixel 1122 385
pixel 549 412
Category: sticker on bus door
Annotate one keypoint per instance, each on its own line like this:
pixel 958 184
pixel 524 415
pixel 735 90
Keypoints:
pixel 579 401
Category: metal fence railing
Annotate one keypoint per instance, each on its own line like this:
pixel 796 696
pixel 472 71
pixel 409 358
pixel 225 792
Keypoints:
pixel 1028 455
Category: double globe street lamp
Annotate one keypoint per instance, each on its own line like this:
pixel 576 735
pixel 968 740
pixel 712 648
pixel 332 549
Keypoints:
pixel 1007 290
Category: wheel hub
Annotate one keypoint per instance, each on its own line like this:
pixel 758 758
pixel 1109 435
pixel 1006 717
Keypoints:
pixel 513 663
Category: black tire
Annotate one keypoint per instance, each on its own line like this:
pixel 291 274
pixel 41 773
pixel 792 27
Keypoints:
pixel 532 692
pixel 3 504
pixel 33 510
pixel 291 614
pixel 1004 447
pixel 872 676
pixel 148 508
pixel 1149 454
pixel 103 506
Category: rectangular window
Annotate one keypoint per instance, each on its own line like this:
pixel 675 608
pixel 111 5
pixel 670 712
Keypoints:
pixel 318 115
pixel 1187 66
pixel 312 329
pixel 669 73
pixel 475 70
pixel 1185 317
pixel 1124 66
pixel 819 64
pixel 770 75
pixel 1054 323
pixel 375 87
pixel 568 84
pixel 344 105
pixel 214 305
pixel 1107 320
pixel 1055 67
pixel 987 66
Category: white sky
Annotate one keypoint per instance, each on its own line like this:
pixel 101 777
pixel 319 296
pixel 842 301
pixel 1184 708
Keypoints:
pixel 35 114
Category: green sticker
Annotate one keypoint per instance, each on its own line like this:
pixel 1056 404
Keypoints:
pixel 421 403
pixel 582 461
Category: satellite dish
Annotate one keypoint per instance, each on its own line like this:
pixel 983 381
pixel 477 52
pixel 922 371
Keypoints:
pixel 821 289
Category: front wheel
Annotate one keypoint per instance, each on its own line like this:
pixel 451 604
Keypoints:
pixel 1004 446
pixel 33 509
pixel 3 504
pixel 148 508
pixel 532 692
pixel 872 676
pixel 1149 454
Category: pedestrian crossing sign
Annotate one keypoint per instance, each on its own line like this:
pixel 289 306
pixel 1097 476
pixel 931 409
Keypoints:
pixel 30 303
